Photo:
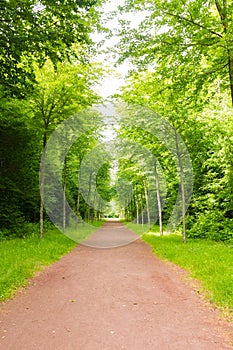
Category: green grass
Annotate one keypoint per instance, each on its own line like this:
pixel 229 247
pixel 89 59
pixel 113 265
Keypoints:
pixel 156 229
pixel 21 258
pixel 136 228
pixel 207 261
pixel 83 231
pixel 142 229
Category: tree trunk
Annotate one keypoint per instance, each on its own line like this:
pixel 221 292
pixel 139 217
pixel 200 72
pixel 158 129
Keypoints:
pixel 42 196
pixel 179 155
pixel 142 211
pixel 147 204
pixel 158 200
pixel 230 70
pixel 137 210
pixel 223 13
pixel 42 176
pixel 77 208
pixel 94 200
pixel 64 197
pixel 88 198
pixel 98 210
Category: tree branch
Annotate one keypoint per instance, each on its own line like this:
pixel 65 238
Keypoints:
pixel 197 43
pixel 222 13
pixel 192 22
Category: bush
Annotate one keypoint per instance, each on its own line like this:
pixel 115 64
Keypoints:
pixel 211 225
pixel 21 229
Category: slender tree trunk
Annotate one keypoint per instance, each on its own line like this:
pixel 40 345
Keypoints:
pixel 137 210
pixel 182 188
pixel 223 13
pixel 78 200
pixel 64 196
pixel 142 211
pixel 42 196
pixel 98 212
pixel 89 197
pixel 158 200
pixel 77 208
pixel 132 209
pixel 94 211
pixel 147 204
pixel 230 70
pixel 42 177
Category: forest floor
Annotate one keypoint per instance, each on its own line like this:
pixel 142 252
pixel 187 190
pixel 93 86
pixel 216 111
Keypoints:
pixel 117 298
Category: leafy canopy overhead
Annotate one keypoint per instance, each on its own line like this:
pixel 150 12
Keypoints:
pixel 36 30
pixel 184 40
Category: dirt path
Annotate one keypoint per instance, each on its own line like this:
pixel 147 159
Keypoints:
pixel 104 299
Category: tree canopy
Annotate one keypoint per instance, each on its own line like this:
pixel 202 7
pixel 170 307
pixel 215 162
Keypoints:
pixel 187 42
pixel 33 31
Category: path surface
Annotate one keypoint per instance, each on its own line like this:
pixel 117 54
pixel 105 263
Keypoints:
pixel 104 299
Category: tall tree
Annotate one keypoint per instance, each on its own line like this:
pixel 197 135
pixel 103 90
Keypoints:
pixel 34 30
pixel 59 94
pixel 188 41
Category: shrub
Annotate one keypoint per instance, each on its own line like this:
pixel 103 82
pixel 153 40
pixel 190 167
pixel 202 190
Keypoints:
pixel 212 225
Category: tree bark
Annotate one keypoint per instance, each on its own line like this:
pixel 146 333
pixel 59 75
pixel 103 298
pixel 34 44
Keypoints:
pixel 147 204
pixel 222 10
pixel 77 207
pixel 42 176
pixel 137 210
pixel 158 200
pixel 88 197
pixel 179 156
pixel 64 197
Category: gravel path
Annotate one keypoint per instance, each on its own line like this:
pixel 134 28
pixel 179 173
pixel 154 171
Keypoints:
pixel 105 299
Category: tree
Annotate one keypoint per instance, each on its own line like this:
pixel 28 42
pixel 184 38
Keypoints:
pixel 20 156
pixel 143 92
pixel 187 41
pixel 35 31
pixel 206 133
pixel 138 182
pixel 59 94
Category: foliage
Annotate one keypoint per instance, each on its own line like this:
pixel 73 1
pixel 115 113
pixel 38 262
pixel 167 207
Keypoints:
pixel 206 132
pixel 62 92
pixel 189 43
pixel 26 125
pixel 33 31
pixel 212 225
pixel 182 53
pixel 19 154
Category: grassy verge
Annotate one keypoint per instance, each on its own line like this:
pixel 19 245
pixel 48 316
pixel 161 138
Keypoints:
pixel 21 258
pixel 207 261
pixel 83 231
pixel 136 228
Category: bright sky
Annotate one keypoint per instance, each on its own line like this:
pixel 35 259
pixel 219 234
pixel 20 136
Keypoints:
pixel 111 85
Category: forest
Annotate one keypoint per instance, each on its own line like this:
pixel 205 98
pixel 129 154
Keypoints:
pixel 174 136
